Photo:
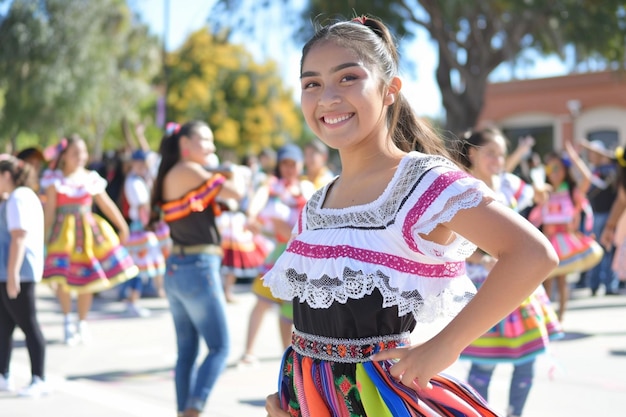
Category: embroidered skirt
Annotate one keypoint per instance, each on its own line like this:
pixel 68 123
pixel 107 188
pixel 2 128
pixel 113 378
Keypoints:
pixel 324 377
pixel 84 254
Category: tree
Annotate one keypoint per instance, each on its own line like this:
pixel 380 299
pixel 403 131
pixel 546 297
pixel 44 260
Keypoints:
pixel 475 37
pixel 244 101
pixel 72 66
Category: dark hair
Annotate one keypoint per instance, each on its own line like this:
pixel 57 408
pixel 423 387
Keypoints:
pixel 170 155
pixel 569 179
pixel 62 148
pixel 475 139
pixel 31 152
pixel 373 43
pixel 22 173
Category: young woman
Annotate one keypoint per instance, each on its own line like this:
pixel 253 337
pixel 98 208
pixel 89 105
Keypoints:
pixel 186 194
pixel 526 332
pixel 84 254
pixel 559 218
pixel 21 267
pixel 383 247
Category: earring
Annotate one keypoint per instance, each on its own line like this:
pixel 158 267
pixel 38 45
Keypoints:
pixel 184 152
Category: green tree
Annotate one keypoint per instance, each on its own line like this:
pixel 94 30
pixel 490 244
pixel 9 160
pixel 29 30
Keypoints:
pixel 72 66
pixel 245 102
pixel 475 37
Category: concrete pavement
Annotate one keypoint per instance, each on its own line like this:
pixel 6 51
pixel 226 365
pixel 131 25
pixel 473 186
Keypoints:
pixel 126 371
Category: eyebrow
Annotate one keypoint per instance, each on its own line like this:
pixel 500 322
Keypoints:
pixel 334 69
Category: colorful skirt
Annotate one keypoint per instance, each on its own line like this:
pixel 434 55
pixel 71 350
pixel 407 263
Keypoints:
pixel 145 249
pixel 522 335
pixel 577 252
pixel 324 377
pixel 244 251
pixel 84 254
pixel 162 233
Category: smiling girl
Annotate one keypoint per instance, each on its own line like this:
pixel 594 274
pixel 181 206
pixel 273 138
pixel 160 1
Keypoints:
pixel 383 246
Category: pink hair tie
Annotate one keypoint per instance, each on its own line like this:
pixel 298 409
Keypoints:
pixel 172 128
pixel 360 19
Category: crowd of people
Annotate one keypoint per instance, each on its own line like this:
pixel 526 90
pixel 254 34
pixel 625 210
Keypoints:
pixel 354 262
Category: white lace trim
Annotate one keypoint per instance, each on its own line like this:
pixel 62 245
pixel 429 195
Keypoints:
pixel 383 210
pixel 428 300
pixel 89 184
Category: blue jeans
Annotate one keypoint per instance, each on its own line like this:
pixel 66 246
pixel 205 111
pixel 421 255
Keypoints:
pixel 602 273
pixel 521 382
pixel 194 290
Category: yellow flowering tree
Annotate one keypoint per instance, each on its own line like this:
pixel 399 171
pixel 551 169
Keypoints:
pixel 245 102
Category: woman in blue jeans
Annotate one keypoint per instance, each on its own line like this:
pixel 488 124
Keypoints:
pixel 184 194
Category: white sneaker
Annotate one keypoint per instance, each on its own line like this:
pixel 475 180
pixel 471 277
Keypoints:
pixel 70 337
pixel 134 310
pixel 6 384
pixel 84 335
pixel 37 388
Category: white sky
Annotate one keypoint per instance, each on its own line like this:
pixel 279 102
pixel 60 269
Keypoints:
pixel 420 88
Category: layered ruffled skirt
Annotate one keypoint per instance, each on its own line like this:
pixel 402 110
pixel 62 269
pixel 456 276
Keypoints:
pixel 310 386
pixel 84 254
pixel 577 252
pixel 244 251
pixel 146 250
pixel 522 335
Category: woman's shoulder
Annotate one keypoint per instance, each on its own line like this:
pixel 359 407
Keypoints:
pixel 425 162
pixel 184 179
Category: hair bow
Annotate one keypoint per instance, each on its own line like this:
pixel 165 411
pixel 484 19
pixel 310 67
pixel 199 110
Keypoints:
pixel 172 128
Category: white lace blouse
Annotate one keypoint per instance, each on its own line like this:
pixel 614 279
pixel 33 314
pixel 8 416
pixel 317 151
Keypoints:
pixel 338 255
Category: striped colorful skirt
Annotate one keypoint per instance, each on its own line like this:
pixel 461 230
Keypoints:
pixel 577 252
pixel 84 254
pixel 522 335
pixel 324 377
pixel 145 249
pixel 162 232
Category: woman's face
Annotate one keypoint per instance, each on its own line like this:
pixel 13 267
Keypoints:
pixel 75 157
pixel 488 160
pixel 342 99
pixel 555 171
pixel 199 146
pixel 290 170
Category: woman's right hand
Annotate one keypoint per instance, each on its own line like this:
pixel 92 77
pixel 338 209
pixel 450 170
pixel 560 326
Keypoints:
pixel 272 406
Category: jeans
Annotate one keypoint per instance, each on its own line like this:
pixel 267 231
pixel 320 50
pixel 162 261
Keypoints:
pixel 194 290
pixel 521 382
pixel 602 273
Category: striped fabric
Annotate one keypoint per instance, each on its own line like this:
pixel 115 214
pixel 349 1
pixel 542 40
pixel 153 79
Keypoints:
pixel 195 200
pixel 316 388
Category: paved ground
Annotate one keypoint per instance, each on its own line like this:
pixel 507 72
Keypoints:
pixel 127 369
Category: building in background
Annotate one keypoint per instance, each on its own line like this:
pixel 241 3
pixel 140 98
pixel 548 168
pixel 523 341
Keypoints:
pixel 553 110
